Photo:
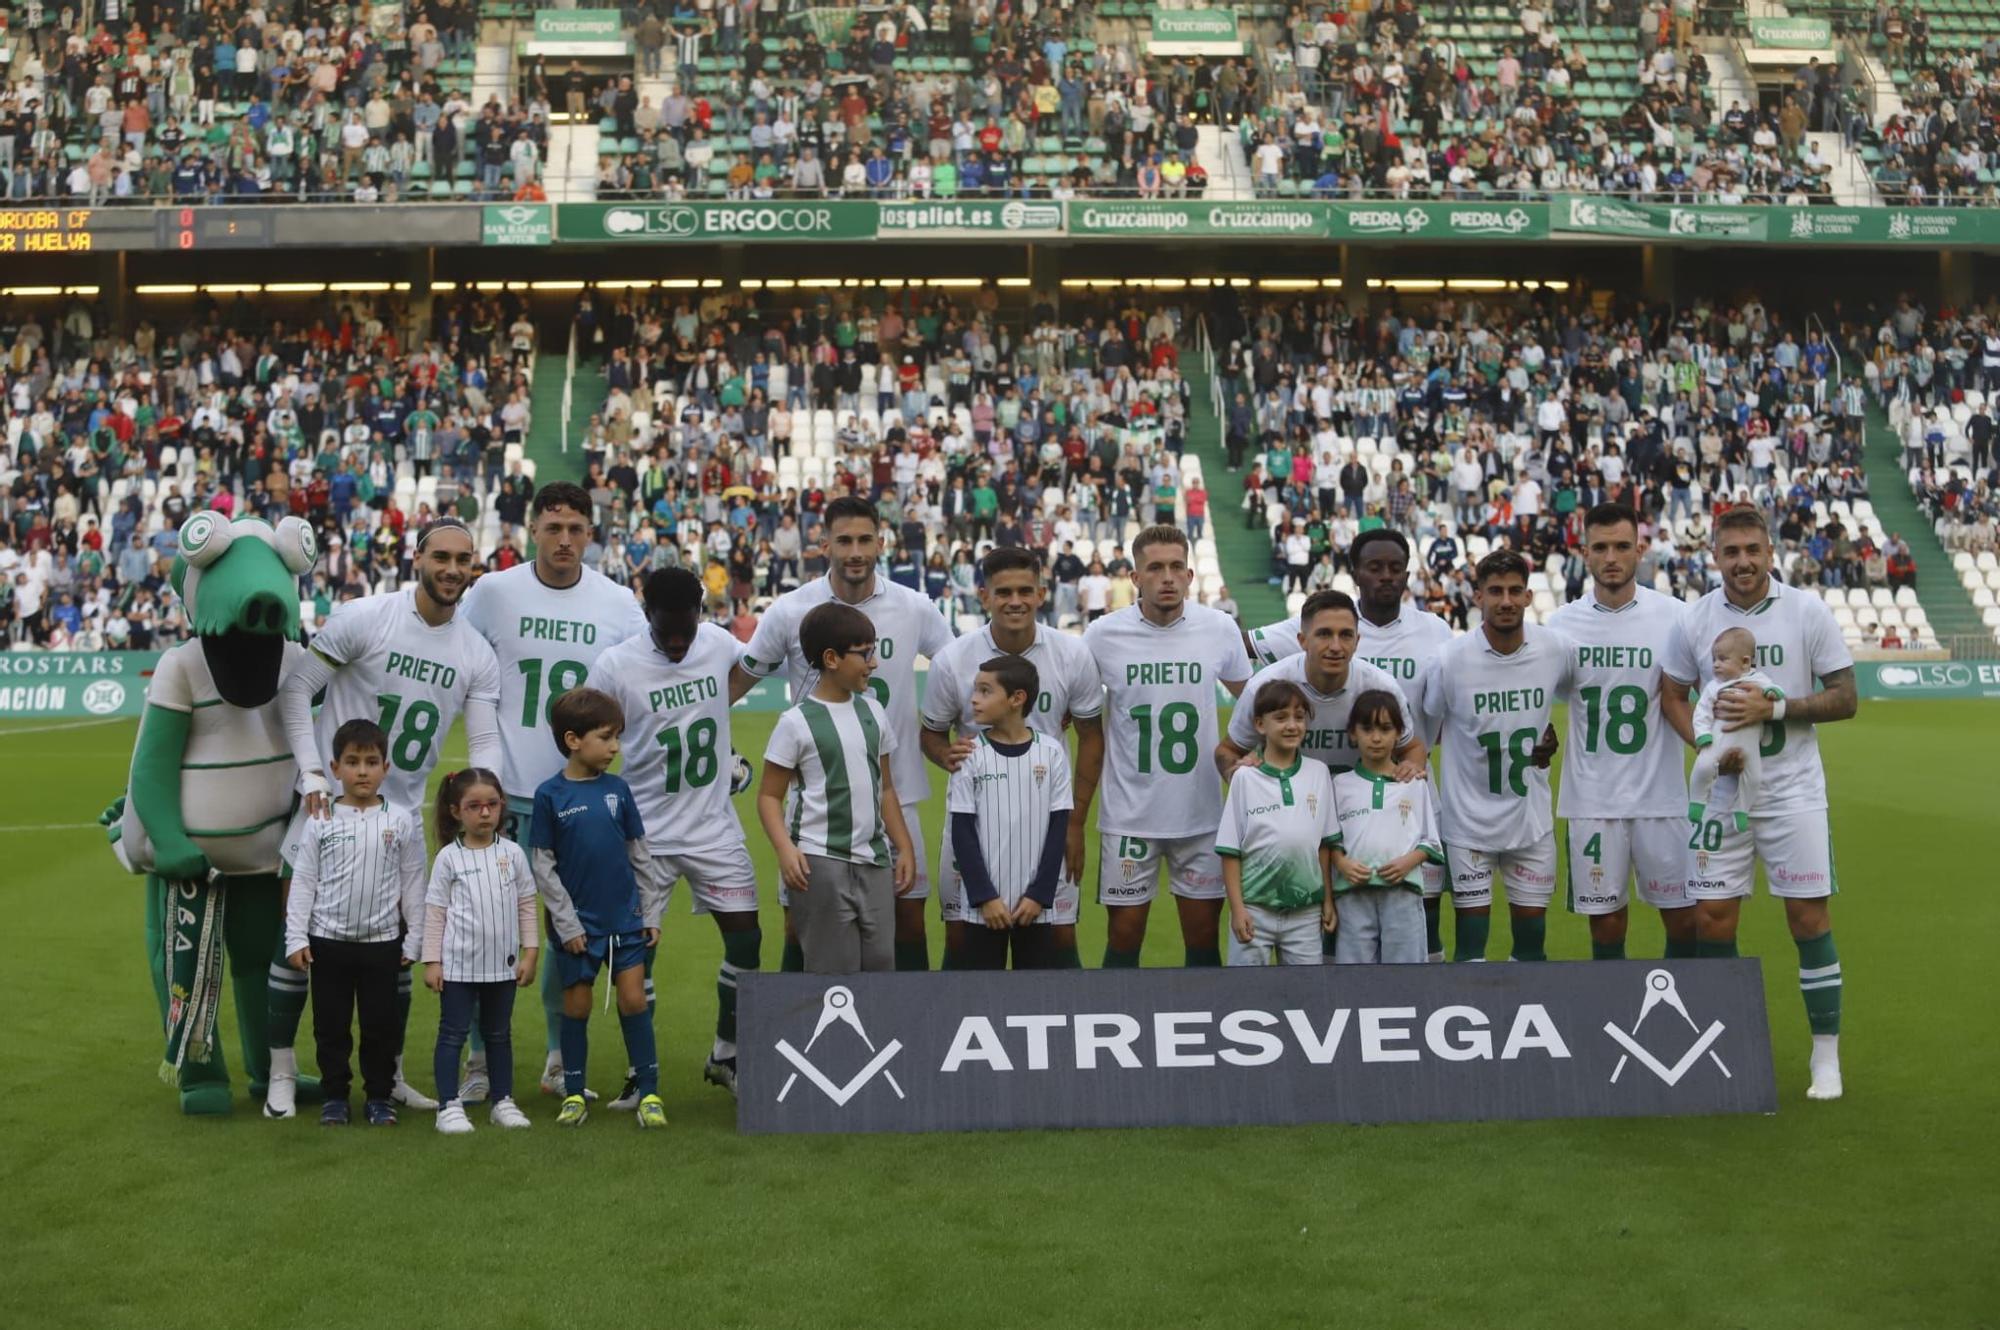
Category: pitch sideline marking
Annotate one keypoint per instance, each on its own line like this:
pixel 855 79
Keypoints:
pixel 66 725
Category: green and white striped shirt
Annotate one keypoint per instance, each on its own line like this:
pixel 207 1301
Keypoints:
pixel 836 803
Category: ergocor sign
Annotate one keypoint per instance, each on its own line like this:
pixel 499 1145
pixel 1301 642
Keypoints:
pixel 656 222
pixel 1151 1048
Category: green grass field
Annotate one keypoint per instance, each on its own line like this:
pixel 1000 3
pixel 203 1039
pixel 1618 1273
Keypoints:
pixel 1877 1211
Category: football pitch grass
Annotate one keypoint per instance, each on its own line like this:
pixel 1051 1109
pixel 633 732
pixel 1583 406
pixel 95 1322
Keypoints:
pixel 1877 1211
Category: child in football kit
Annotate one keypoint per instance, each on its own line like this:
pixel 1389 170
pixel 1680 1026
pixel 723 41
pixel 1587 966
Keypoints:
pixel 1388 830
pixel 1735 658
pixel 834 830
pixel 1276 838
pixel 480 941
pixel 1009 803
pixel 596 879
pixel 353 918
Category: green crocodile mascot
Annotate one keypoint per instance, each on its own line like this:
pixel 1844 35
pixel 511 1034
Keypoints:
pixel 210 794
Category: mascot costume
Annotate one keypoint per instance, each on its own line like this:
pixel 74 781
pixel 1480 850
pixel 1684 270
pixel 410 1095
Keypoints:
pixel 211 792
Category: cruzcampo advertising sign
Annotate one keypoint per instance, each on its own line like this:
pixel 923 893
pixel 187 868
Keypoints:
pixel 959 218
pixel 74 683
pixel 578 25
pixel 591 223
pixel 1791 34
pixel 1194 32
pixel 1278 219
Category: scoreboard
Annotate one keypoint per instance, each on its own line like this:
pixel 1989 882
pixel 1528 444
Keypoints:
pixel 52 230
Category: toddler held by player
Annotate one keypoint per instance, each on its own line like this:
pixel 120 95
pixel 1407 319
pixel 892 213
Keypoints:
pixel 479 941
pixel 1275 840
pixel 1388 830
pixel 1735 659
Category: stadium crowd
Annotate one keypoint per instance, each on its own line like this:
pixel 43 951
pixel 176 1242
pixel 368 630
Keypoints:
pixel 347 417
pixel 239 103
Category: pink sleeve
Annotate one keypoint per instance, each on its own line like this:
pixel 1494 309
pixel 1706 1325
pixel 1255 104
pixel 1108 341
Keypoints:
pixel 530 935
pixel 433 934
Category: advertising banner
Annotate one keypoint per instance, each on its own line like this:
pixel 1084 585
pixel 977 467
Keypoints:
pixel 1595 215
pixel 1792 34
pixel 74 683
pixel 965 1050
pixel 517 224
pixel 1928 679
pixel 1278 219
pixel 956 218
pixel 657 223
pixel 578 25
pixel 1440 221
pixel 1194 32
pixel 1926 227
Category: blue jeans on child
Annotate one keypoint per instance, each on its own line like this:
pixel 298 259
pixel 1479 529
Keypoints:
pixel 493 1005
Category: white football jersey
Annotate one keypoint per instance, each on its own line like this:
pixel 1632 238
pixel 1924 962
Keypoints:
pixel 1619 758
pixel 1381 820
pixel 406 676
pixel 1326 737
pixel 480 892
pixel 546 640
pixel 907 625
pixel 1010 798
pixel 1274 824
pixel 1798 643
pixel 1070 686
pixel 1492 710
pixel 1275 641
pixel 677 739
pixel 1160 718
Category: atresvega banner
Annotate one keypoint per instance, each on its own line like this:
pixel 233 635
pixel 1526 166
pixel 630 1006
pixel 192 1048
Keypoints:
pixel 965 1051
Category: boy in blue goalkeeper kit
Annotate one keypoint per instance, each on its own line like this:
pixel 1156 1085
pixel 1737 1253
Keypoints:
pixel 596 878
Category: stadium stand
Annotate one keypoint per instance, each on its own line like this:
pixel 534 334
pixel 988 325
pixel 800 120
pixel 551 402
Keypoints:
pixel 344 417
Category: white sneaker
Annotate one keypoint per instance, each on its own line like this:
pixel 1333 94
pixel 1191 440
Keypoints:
pixel 409 1096
pixel 281 1095
pixel 476 1086
pixel 628 1098
pixel 451 1120
pixel 1825 1067
pixel 506 1113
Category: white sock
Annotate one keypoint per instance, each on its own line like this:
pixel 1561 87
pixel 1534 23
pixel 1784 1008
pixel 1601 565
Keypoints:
pixel 285 1062
pixel 399 1072
pixel 724 1050
pixel 553 1065
pixel 1825 1050
pixel 475 1062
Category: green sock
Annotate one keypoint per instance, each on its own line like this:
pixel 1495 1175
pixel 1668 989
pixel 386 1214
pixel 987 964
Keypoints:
pixel 1065 958
pixel 1434 925
pixel 1681 949
pixel 1472 930
pixel 912 956
pixel 1608 951
pixel 1114 959
pixel 740 952
pixel 1202 957
pixel 1819 982
pixel 793 961
pixel 1531 938
pixel 1707 950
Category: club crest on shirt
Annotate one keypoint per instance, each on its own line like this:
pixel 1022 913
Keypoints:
pixel 611 804
pixel 506 869
pixel 1041 774
pixel 1312 805
pixel 388 838
pixel 1405 807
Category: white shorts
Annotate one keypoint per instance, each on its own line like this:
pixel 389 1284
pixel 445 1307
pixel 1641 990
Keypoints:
pixel 1796 850
pixel 951 893
pixel 1529 874
pixel 1279 937
pixel 1128 868
pixel 720 879
pixel 1433 880
pixel 1605 853
pixel 921 889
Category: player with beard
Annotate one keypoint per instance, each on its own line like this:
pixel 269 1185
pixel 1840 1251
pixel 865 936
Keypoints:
pixel 406 661
pixel 907 625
